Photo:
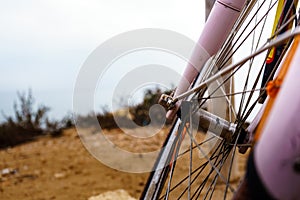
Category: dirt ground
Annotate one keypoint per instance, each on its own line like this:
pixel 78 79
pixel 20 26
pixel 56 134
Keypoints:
pixel 62 168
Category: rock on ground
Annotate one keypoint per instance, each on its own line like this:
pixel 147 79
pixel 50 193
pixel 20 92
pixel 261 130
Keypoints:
pixel 112 195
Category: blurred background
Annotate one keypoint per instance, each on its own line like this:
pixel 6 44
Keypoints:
pixel 43 46
pixel 44 43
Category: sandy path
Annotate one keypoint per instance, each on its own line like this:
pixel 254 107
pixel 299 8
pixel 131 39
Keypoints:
pixel 61 168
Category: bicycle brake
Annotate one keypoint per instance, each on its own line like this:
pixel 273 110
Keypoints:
pixel 167 101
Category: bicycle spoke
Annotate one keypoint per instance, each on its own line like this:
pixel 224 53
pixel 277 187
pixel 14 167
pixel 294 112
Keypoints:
pixel 174 156
pixel 225 154
pixel 191 156
pixel 201 168
pixel 233 94
pixel 231 163
pixel 212 165
pixel 256 82
pixel 201 187
pixel 249 33
pixel 187 151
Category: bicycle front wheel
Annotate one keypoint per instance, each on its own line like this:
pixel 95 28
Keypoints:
pixel 199 159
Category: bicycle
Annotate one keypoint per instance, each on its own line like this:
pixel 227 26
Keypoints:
pixel 212 134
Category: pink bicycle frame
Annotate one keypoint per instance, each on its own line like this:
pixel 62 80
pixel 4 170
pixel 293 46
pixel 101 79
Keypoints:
pixel 211 39
pixel 277 153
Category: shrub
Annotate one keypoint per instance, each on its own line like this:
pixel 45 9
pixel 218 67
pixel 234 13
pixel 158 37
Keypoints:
pixel 28 123
pixel 139 113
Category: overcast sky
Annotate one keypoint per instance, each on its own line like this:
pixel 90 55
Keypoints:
pixel 45 42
